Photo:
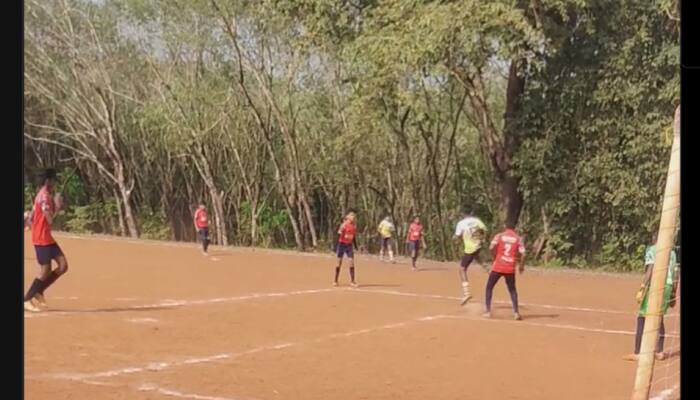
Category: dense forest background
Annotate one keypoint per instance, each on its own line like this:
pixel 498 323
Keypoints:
pixel 282 114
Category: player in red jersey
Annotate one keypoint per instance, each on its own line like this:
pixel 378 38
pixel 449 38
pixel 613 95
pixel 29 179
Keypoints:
pixel 507 246
pixel 346 240
pixel 414 238
pixel 45 209
pixel 201 225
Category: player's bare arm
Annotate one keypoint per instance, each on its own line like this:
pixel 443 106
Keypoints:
pixel 46 209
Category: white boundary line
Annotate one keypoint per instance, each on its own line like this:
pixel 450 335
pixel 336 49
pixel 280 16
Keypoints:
pixel 550 306
pixel 160 366
pixel 665 394
pixel 556 326
pixel 254 296
pixel 179 303
pixel 148 387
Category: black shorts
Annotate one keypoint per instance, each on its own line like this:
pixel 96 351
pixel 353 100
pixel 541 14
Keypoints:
pixel 468 258
pixel 44 254
pixel 414 245
pixel 203 233
pixel 386 243
pixel 343 248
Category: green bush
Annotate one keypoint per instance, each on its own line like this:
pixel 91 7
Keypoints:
pixel 82 219
pixel 154 226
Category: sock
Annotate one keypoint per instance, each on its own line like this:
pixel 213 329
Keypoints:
pixel 638 334
pixel 49 281
pixel 352 274
pixel 37 285
pixel 514 301
pixel 391 255
pixel 337 273
pixel 465 288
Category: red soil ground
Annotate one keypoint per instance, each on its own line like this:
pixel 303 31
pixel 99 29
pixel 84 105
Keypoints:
pixel 149 320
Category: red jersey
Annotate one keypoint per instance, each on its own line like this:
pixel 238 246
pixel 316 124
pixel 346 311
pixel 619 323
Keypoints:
pixel 347 232
pixel 201 219
pixel 41 229
pixel 508 244
pixel 415 231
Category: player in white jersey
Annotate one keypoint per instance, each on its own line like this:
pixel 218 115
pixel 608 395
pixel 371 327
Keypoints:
pixel 471 231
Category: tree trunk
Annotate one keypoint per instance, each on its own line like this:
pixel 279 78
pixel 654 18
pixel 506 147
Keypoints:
pixel 120 215
pixel 128 213
pixel 512 201
pixel 253 223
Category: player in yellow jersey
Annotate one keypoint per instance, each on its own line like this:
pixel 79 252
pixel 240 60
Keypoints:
pixel 386 233
pixel 471 231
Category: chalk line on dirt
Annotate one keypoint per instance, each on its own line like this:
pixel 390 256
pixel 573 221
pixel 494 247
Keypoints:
pixel 148 387
pixel 159 366
pixel 550 306
pixel 170 303
pixel 545 325
pixel 667 393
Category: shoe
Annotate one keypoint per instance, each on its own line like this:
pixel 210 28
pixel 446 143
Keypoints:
pixel 486 315
pixel 28 306
pixel 414 269
pixel 631 357
pixel 517 317
pixel 335 284
pixel 465 299
pixel 355 285
pixel 660 356
pixel 39 301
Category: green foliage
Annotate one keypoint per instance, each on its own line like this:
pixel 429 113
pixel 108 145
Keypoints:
pixel 154 226
pixel 354 104
pixel 594 154
pixel 82 219
pixel 269 222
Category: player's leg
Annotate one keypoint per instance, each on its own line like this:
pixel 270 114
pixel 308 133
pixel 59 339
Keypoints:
pixel 351 259
pixel 204 238
pixel 414 253
pixel 382 248
pixel 43 257
pixel 390 247
pixel 637 340
pixel 510 282
pixel 490 283
pixel 339 253
pixel 464 265
pixel 53 276
pixel 660 355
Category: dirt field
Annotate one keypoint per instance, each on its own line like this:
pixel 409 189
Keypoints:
pixel 147 320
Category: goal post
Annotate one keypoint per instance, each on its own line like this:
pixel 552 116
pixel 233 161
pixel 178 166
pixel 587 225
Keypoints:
pixel 664 245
